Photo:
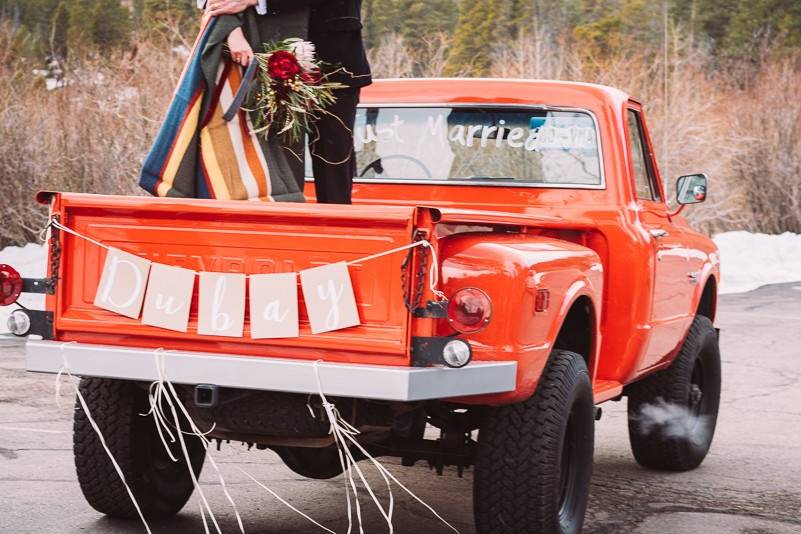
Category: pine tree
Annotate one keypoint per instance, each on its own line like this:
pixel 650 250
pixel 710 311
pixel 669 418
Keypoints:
pixel 35 16
pixel 424 18
pixel 59 32
pixel 137 14
pixel 606 26
pixel 99 23
pixel 111 24
pixel 178 14
pixel 381 17
pixel 475 37
pixel 763 22
pixel 515 16
pixel 80 23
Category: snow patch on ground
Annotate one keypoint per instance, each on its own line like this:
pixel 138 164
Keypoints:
pixel 748 261
pixel 30 261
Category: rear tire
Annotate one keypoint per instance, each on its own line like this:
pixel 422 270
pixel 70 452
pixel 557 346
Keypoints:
pixel 681 404
pixel 161 486
pixel 534 459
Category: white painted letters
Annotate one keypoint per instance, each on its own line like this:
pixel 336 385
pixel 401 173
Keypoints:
pixel 329 297
pixel 163 294
pixel 169 294
pixel 221 304
pixel 274 306
pixel 122 284
pixel 331 294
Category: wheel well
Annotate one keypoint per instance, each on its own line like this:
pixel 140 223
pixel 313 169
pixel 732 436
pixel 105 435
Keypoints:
pixel 578 329
pixel 708 302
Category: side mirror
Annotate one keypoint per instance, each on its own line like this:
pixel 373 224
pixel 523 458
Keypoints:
pixel 691 189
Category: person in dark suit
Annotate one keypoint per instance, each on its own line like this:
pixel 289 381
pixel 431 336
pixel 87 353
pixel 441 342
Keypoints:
pixel 334 26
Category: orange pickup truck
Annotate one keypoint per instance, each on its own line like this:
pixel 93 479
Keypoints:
pixel 564 281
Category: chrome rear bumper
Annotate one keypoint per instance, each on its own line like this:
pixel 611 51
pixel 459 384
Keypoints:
pixel 273 374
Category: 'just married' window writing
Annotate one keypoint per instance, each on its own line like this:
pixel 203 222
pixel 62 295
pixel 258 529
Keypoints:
pixel 473 144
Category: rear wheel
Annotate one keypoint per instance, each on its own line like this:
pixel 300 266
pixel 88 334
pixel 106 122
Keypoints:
pixel 161 486
pixel 672 414
pixel 534 459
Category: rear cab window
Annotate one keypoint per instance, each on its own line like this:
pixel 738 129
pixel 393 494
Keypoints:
pixel 479 146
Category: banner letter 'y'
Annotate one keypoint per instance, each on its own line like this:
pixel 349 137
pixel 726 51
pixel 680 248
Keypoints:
pixel 329 297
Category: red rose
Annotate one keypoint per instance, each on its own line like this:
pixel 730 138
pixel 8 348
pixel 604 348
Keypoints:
pixel 282 65
pixel 311 77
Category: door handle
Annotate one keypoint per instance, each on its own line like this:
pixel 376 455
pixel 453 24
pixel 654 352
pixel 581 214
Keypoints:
pixel 659 232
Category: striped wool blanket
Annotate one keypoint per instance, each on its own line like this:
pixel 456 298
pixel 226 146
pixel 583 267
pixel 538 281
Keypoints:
pixel 198 154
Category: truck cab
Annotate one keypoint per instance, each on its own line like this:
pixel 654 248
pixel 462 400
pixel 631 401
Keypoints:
pixel 551 276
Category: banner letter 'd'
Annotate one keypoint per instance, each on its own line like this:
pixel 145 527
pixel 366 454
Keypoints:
pixel 122 284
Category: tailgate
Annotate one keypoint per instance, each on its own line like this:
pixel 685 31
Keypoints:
pixel 243 237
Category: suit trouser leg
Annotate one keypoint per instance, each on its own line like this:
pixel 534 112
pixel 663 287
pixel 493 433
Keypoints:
pixel 333 161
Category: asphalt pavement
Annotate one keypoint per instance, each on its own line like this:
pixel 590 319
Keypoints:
pixel 750 483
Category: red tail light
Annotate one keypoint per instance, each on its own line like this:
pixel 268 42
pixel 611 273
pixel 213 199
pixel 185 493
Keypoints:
pixel 10 285
pixel 469 310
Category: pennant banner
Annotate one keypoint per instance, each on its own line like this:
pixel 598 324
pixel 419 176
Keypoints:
pixel 162 295
pixel 128 280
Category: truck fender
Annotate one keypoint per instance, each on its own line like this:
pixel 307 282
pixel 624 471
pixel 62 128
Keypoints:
pixel 705 293
pixel 579 292
pixel 512 269
pixel 582 289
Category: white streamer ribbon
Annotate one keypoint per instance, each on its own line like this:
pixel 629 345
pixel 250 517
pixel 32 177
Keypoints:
pixel 163 389
pixel 283 501
pixel 344 433
pixel 344 437
pixel 65 369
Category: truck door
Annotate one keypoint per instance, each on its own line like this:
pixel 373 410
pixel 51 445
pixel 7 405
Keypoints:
pixel 669 257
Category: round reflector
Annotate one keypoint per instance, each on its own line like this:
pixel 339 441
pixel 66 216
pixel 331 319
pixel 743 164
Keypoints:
pixel 10 285
pixel 19 322
pixel 469 310
pixel 457 353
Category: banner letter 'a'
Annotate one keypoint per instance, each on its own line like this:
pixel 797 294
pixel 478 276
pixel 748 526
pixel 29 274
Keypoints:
pixel 329 297
pixel 122 283
pixel 274 306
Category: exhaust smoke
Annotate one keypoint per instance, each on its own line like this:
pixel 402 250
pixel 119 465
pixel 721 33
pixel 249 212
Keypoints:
pixel 672 421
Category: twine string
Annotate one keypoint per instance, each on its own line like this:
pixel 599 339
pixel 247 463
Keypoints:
pixel 174 400
pixel 433 272
pixel 344 436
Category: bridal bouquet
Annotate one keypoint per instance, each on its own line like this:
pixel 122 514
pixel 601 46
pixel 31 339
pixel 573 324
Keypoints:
pixel 292 89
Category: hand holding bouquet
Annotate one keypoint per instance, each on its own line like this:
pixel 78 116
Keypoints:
pixel 292 89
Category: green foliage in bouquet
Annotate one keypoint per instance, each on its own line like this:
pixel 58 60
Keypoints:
pixel 292 90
